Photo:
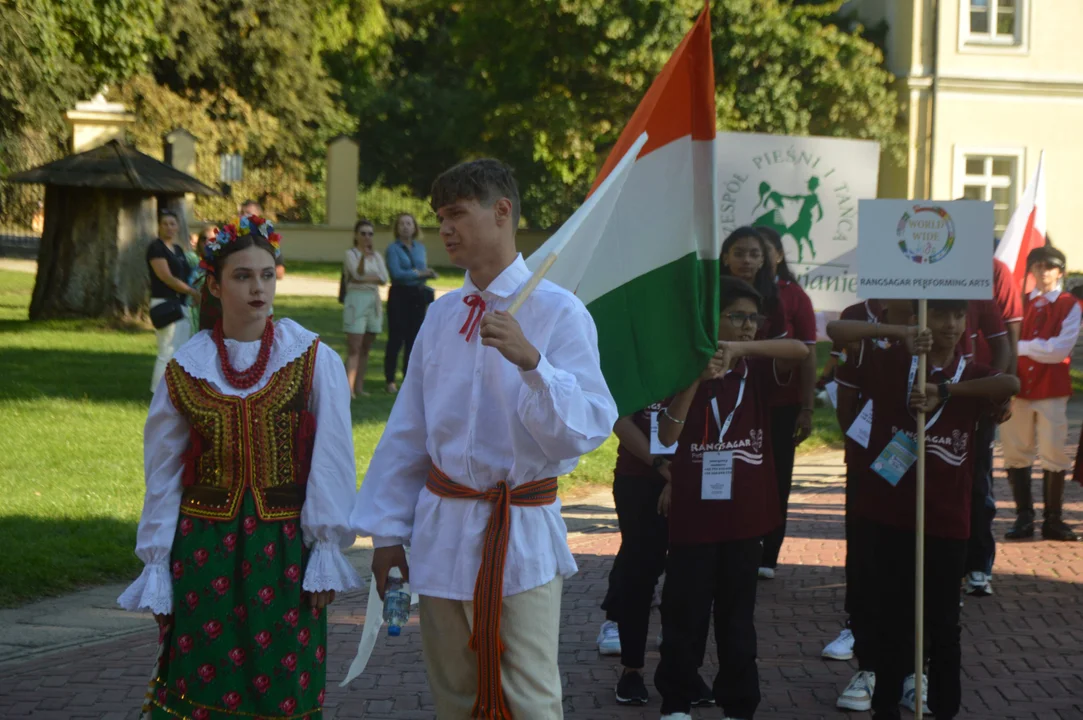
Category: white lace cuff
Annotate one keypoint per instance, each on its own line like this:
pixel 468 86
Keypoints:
pixel 328 569
pixel 152 590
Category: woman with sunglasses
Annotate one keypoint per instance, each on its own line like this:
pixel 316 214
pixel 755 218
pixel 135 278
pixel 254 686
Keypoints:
pixel 362 311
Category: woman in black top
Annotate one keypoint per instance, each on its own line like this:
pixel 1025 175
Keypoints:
pixel 169 271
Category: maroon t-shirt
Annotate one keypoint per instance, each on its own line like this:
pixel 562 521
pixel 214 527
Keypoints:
pixel 753 509
pixel 883 378
pixel 793 319
pixel 983 322
pixel 867 311
pixel 1008 302
pixel 847 374
pixel 629 464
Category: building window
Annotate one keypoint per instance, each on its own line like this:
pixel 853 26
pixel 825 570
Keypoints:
pixel 992 22
pixel 989 177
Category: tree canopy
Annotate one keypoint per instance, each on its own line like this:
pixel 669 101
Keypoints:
pixel 545 85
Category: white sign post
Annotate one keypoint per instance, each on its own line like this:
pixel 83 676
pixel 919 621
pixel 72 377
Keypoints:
pixel 807 190
pixel 924 250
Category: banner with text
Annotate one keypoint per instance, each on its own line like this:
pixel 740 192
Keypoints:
pixel 807 190
pixel 911 249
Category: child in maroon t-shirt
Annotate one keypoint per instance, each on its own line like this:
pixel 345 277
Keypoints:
pixel 957 394
pixel 640 475
pixel 723 500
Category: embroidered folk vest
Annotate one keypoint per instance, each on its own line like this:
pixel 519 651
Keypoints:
pixel 262 442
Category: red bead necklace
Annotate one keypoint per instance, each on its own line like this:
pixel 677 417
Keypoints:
pixel 251 376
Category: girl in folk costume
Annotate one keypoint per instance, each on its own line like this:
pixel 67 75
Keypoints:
pixel 250 472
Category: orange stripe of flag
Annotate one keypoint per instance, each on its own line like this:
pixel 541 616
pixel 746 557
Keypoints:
pixel 679 102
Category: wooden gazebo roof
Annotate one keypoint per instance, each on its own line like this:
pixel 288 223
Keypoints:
pixel 113 166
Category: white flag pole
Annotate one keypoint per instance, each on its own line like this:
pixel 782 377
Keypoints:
pixel 919 525
pixel 613 183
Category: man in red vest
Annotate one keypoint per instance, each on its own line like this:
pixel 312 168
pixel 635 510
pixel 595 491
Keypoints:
pixel 1039 421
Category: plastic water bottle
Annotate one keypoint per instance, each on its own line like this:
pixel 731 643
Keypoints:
pixel 396 603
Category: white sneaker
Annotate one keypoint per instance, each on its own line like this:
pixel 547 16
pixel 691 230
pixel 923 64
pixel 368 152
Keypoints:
pixel 767 573
pixel 910 690
pixel 677 716
pixel 609 639
pixel 979 584
pixel 841 648
pixel 858 694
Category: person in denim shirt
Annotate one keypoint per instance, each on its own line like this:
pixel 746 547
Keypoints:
pixel 408 297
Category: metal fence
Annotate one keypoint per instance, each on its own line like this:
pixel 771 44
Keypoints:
pixel 19 243
pixel 22 217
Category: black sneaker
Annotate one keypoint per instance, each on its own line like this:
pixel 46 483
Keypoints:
pixel 704 695
pixel 631 690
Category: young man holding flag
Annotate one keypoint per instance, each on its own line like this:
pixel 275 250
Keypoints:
pixel 493 409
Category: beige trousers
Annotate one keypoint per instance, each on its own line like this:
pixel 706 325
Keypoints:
pixel 530 630
pixel 1037 427
pixel 170 338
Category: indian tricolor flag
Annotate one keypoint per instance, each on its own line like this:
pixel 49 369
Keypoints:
pixel 643 251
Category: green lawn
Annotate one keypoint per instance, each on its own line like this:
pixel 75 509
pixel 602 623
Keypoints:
pixel 450 278
pixel 73 399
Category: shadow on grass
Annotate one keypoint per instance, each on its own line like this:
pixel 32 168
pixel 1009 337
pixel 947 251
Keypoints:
pixel 96 376
pixel 51 556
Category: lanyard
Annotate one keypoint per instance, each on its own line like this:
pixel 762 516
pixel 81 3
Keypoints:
pixel 723 427
pixel 910 386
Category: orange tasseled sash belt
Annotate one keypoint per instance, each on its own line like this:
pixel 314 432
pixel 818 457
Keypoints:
pixel 489 588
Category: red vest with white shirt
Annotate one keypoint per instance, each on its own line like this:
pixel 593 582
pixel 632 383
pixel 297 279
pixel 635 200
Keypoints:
pixel 1042 320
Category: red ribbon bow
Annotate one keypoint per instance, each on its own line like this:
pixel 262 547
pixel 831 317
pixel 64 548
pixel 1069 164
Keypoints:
pixel 476 303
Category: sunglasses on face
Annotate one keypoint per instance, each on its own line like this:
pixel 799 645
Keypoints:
pixel 738 319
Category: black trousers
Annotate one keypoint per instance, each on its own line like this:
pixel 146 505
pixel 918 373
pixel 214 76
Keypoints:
pixel 644 536
pixel 697 576
pixel 981 549
pixel 894 655
pixel 860 569
pixel 405 312
pixel 783 423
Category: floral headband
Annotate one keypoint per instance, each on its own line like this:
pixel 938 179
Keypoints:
pixel 250 225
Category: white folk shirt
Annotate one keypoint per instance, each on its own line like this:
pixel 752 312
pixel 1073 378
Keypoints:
pixel 476 416
pixel 332 481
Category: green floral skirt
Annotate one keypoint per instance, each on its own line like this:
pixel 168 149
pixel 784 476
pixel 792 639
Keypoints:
pixel 244 642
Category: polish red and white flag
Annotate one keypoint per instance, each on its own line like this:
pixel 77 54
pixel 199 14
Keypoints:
pixel 1026 229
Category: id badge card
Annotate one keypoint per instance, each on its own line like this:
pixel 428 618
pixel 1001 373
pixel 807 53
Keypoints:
pixel 658 448
pixel 899 455
pixel 717 475
pixel 862 427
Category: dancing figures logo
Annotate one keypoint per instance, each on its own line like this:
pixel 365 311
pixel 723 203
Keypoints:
pixel 800 230
pixel 805 189
pixel 925 234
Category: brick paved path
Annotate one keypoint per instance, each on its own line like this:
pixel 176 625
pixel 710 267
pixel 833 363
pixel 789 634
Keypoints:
pixel 1023 647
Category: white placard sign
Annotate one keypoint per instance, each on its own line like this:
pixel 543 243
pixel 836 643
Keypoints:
pixel 807 190
pixel 912 249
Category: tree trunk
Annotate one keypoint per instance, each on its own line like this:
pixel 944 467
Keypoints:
pixel 92 257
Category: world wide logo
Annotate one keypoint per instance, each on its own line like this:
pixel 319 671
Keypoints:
pixel 925 234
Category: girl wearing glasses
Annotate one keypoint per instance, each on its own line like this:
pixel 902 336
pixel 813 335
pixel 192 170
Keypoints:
pixel 362 311
pixel 722 502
